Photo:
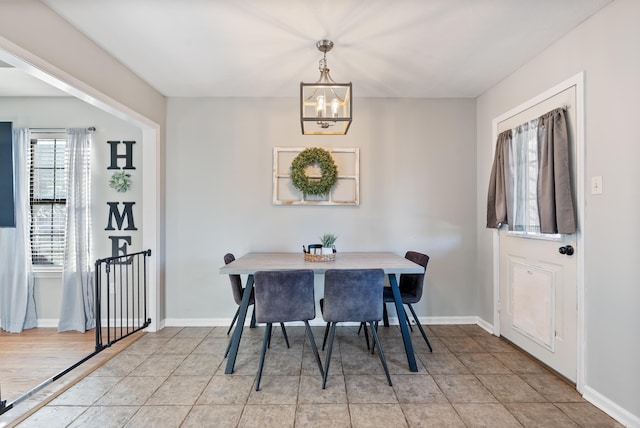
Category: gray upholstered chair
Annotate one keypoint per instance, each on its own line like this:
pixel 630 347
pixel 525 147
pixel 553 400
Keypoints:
pixel 238 293
pixel 283 296
pixel 353 295
pixel 411 286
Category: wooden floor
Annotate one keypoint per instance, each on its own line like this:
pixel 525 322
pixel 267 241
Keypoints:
pixel 32 357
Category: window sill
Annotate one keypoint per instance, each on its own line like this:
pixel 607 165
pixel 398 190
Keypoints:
pixel 40 272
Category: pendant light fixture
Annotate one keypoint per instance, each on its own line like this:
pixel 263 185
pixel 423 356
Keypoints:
pixel 325 106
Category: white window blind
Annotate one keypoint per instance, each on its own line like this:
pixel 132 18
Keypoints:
pixel 48 198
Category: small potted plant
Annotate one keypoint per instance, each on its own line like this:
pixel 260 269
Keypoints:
pixel 328 240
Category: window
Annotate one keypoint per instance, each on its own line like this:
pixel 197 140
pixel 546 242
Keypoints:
pixel 523 177
pixel 47 198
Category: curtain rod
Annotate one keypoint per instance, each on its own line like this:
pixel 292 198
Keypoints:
pixel 57 130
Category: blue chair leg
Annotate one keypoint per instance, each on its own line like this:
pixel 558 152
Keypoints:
pixel 385 315
pixel 267 337
pixel 284 332
pixel 253 318
pixel 373 346
pixel 235 317
pixel 380 353
pixel 314 347
pixel 366 335
pixel 326 334
pixel 226 353
pixel 328 357
pixel 407 318
pixel 415 317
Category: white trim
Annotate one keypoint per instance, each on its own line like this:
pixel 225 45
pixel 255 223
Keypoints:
pixel 608 406
pixel 496 275
pixel 151 231
pixel 318 321
pixel 151 208
pixel 577 81
pixel 47 274
pixel 486 326
pixel 48 322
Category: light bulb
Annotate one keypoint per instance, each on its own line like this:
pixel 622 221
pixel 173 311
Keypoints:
pixel 334 107
pixel 320 106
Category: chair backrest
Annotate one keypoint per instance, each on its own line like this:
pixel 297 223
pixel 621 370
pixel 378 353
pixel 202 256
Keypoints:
pixel 285 295
pixel 236 281
pixel 353 295
pixel 413 283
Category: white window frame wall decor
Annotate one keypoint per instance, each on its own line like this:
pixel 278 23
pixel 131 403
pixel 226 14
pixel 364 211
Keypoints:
pixel 346 191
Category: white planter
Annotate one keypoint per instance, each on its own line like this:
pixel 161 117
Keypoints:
pixel 327 250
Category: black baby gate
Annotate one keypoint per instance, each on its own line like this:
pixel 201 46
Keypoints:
pixel 120 308
pixel 121 301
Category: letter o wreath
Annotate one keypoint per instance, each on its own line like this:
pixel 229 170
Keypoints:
pixel 314 186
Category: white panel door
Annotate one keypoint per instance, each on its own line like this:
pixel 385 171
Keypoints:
pixel 537 303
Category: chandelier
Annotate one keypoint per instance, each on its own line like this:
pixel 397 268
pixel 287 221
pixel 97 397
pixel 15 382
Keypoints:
pixel 325 106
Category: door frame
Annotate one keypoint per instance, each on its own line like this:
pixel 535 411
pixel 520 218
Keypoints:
pixel 577 81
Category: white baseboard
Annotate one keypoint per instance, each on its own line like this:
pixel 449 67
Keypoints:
pixel 217 322
pixel 623 416
pixel 446 320
pixel 221 322
pixel 53 323
pixel 488 327
pixel 198 322
pixel 48 322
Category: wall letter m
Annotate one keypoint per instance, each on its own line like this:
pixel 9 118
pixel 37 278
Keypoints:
pixel 127 213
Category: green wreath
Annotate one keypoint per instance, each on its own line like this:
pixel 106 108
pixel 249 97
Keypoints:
pixel 120 181
pixel 314 186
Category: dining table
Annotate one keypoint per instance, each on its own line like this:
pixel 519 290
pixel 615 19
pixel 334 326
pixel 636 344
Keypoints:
pixel 391 263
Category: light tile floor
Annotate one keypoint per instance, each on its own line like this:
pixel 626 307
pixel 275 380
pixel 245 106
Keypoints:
pixel 175 378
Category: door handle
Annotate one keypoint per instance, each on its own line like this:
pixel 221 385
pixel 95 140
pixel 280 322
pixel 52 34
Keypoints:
pixel 567 249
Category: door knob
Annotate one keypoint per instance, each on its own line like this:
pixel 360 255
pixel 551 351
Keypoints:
pixel 567 249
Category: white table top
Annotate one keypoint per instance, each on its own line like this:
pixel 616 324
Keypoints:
pixel 391 263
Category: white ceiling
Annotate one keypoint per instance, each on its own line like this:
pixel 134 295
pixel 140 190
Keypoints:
pixel 258 48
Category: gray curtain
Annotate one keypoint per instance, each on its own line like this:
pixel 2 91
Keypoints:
pixel 510 187
pixel 555 200
pixel 17 305
pixel 77 312
pixel 497 206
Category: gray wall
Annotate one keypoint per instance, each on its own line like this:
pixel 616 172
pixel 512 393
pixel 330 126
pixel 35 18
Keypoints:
pixel 417 192
pixel 606 48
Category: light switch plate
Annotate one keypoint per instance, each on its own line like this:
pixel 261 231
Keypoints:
pixel 596 185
